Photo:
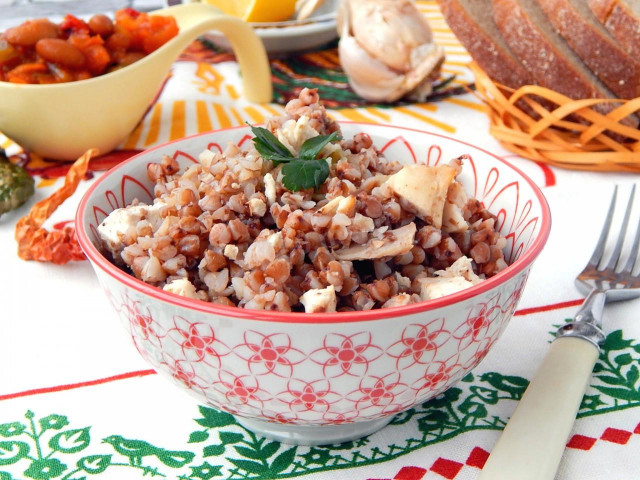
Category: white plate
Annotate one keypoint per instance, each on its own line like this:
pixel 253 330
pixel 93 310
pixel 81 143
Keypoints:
pixel 290 35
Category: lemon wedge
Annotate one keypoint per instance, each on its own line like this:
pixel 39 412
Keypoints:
pixel 257 10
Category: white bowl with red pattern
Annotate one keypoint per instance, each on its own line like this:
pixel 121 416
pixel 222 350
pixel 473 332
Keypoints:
pixel 322 378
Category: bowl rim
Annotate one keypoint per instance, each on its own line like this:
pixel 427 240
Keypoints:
pixel 100 261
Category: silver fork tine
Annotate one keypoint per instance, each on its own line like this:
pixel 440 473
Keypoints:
pixel 632 262
pixel 596 257
pixel 631 266
pixel 615 256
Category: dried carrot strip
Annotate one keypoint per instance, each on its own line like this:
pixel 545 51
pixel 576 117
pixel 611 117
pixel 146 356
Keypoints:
pixel 57 246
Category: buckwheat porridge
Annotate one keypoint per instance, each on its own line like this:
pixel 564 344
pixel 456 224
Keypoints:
pixel 304 220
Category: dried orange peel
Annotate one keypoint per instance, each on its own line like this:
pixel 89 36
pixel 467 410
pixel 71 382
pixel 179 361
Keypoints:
pixel 558 130
pixel 55 246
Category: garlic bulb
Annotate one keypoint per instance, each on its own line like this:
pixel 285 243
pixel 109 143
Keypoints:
pixel 387 50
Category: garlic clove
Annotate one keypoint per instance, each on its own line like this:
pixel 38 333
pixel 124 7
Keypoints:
pixel 387 50
pixel 368 76
pixel 389 30
pixel 426 60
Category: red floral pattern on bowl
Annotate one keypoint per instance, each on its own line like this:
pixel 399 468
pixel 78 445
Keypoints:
pixel 318 378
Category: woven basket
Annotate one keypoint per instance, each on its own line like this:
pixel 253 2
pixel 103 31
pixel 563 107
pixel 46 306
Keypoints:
pixel 563 132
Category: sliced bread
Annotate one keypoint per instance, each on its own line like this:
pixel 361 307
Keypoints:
pixel 472 23
pixel 622 19
pixel 545 53
pixel 586 36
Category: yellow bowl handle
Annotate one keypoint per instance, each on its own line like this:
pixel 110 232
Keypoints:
pixel 194 19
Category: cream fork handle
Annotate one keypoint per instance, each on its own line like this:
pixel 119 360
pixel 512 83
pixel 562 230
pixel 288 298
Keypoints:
pixel 534 439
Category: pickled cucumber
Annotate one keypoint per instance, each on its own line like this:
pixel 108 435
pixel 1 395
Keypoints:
pixel 16 185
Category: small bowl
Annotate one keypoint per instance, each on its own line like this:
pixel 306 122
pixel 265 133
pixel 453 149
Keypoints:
pixel 61 121
pixel 322 378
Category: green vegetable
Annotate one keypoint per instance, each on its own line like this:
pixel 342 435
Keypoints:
pixel 269 146
pixel 16 185
pixel 302 172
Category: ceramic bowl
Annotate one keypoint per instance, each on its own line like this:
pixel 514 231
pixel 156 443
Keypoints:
pixel 322 378
pixel 62 121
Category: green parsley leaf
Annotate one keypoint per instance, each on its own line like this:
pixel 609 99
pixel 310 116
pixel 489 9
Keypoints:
pixel 269 147
pixel 298 173
pixel 302 174
pixel 311 147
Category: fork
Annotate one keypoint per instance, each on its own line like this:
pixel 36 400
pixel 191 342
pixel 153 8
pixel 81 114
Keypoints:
pixel 531 446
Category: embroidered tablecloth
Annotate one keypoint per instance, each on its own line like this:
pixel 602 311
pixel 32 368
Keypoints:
pixel 77 401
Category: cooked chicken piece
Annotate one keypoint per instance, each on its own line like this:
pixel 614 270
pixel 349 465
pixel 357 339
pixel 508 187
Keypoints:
pixel 393 242
pixel 347 206
pixel 293 133
pixel 424 188
pixel 452 219
pixel 182 286
pixel 123 221
pixel 231 251
pixel 397 300
pixel 331 207
pixel 460 268
pixel 257 207
pixel 340 204
pixel 387 49
pixel 270 188
pixel 319 300
pixel 458 276
pixel 436 287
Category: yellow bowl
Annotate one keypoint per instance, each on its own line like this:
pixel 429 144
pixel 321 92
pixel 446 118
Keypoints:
pixel 61 121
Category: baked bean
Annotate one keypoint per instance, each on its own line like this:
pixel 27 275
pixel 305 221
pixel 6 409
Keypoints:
pixel 101 25
pixel 59 51
pixel 31 31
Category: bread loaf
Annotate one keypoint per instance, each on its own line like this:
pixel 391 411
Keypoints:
pixel 544 53
pixel 587 37
pixel 622 20
pixel 472 23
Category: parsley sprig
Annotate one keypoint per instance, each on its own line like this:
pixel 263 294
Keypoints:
pixel 301 172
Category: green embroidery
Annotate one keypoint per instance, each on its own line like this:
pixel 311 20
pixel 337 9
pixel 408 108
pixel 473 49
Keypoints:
pixel 51 448
pixel 616 376
pixel 135 450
